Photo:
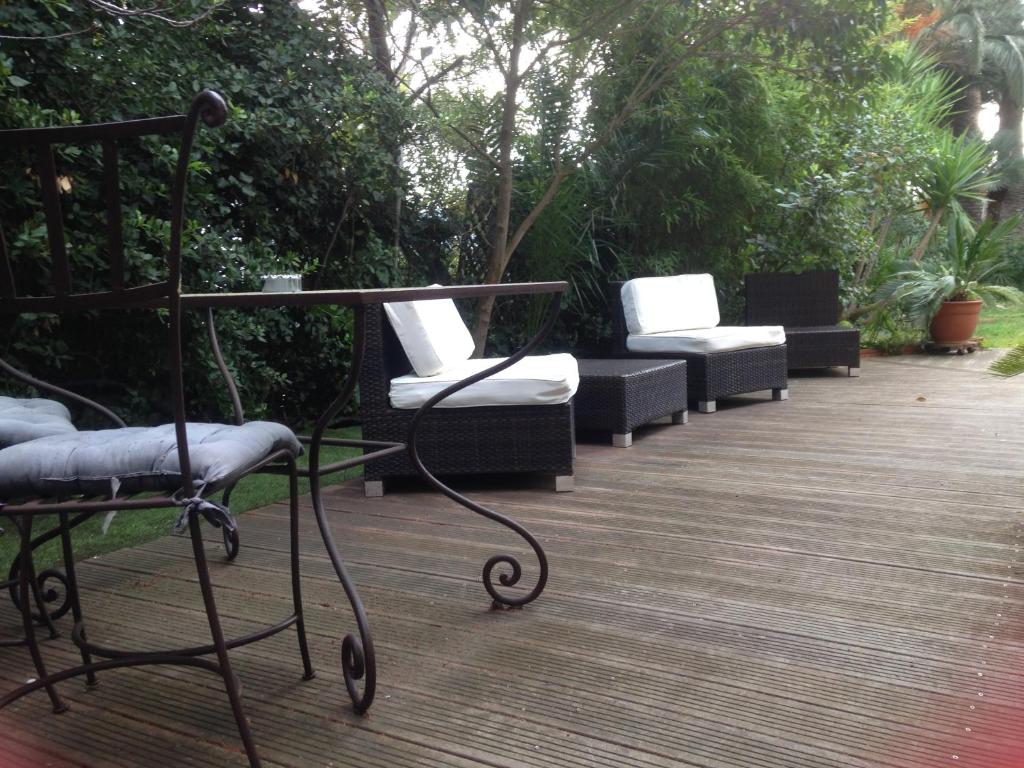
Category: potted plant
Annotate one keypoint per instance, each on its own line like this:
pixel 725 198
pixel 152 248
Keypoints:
pixel 949 287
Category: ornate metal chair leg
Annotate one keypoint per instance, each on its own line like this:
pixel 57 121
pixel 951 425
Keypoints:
pixel 76 604
pixel 232 542
pixel 217 633
pixel 37 589
pixel 27 577
pixel 300 624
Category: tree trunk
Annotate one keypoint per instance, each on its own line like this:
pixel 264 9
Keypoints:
pixel 922 246
pixel 965 113
pixel 1011 116
pixel 497 259
pixel 377 35
pixel 377 38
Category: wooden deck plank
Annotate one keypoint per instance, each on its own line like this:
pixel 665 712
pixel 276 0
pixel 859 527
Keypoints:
pixel 805 584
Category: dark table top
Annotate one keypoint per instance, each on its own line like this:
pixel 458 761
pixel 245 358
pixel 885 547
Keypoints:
pixel 624 366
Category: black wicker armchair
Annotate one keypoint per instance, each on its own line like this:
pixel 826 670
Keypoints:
pixel 456 441
pixel 807 306
pixel 715 375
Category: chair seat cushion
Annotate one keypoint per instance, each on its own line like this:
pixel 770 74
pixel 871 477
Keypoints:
pixel 23 419
pixel 705 341
pixel 135 459
pixel 538 380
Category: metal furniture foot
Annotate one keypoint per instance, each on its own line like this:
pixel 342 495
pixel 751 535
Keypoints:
pixel 709 406
pixel 623 440
pixel 780 394
pixel 853 372
pixel 565 483
pixel 681 417
pixel 373 489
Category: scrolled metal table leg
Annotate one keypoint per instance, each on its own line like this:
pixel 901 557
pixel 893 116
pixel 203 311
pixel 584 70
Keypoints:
pixel 358 659
pixel 512 577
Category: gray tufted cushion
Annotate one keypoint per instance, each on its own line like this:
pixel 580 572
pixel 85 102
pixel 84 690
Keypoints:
pixel 23 419
pixel 140 458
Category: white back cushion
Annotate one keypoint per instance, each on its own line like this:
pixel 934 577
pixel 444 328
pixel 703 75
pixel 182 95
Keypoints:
pixel 432 334
pixel 676 303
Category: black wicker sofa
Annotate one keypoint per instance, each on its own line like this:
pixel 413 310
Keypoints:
pixel 807 306
pixel 714 375
pixel 456 441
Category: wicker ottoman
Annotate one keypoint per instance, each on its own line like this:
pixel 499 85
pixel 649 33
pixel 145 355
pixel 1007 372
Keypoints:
pixel 620 395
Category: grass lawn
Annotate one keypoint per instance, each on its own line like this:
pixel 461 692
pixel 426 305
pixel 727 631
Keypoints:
pixel 131 528
pixel 1002 326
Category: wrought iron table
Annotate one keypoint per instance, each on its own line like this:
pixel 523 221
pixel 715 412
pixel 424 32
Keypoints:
pixel 358 657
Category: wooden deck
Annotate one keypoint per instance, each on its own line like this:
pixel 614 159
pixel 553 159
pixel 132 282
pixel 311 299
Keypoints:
pixel 828 582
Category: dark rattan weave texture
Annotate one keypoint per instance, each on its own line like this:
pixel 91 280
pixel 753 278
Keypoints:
pixel 710 376
pixel 621 395
pixel 807 306
pixel 455 441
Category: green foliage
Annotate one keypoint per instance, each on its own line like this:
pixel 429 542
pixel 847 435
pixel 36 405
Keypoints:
pixel 958 169
pixel 891 331
pixel 1010 364
pixel 300 178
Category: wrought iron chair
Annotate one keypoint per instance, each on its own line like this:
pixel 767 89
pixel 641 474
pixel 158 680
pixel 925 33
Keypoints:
pixel 200 459
pixel 807 306
pixel 26 419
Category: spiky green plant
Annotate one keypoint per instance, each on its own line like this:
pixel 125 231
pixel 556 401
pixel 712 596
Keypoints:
pixel 961 169
pixel 971 265
pixel 1010 364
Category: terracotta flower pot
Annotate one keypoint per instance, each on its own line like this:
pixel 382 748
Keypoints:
pixel 955 321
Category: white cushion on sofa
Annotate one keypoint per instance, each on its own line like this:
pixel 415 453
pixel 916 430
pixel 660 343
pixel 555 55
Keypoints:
pixel 431 333
pixel 706 340
pixel 676 303
pixel 537 380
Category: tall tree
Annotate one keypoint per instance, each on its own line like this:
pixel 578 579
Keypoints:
pixel 982 43
pixel 529 41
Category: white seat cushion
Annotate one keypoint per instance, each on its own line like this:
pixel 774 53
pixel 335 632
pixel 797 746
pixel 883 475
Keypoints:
pixel 431 333
pixel 676 303
pixel 27 418
pixel 707 340
pixel 538 380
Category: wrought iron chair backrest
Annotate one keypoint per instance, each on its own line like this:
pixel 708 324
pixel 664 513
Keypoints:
pixel 212 110
pixel 804 299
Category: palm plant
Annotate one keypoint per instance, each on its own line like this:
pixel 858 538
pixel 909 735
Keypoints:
pixel 960 170
pixel 970 266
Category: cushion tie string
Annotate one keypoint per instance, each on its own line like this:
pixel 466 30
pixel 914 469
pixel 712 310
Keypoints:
pixel 215 514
